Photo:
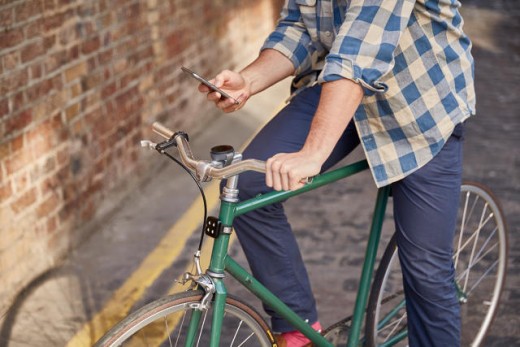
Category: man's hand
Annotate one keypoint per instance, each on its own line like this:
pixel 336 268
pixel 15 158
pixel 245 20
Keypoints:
pixel 288 171
pixel 232 83
pixel 269 68
pixel 338 102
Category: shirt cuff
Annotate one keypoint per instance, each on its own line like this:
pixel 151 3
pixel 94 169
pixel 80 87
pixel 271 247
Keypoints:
pixel 337 68
pixel 295 51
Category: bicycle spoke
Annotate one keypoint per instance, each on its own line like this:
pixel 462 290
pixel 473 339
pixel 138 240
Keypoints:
pixel 180 328
pixel 247 339
pixel 473 235
pixel 168 331
pixel 477 260
pixel 236 333
pixel 475 244
pixel 394 325
pixel 482 277
pixel 463 224
pixel 202 327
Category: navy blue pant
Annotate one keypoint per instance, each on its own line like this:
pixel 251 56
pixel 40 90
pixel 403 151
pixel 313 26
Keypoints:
pixel 425 208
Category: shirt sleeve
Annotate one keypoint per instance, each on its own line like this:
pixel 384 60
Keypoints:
pixel 291 38
pixel 363 50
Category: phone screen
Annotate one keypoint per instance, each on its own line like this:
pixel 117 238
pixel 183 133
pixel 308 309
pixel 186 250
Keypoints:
pixel 208 84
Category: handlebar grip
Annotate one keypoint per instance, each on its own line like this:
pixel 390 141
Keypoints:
pixel 160 129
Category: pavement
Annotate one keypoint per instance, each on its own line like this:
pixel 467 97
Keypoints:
pixel 142 246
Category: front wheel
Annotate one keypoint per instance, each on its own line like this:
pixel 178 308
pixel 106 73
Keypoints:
pixel 166 321
pixel 480 260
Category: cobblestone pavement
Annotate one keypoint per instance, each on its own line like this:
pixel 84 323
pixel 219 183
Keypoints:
pixel 331 222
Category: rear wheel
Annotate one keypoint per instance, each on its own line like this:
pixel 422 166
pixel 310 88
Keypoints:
pixel 165 323
pixel 480 259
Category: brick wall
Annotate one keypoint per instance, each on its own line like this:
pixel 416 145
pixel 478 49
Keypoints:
pixel 80 83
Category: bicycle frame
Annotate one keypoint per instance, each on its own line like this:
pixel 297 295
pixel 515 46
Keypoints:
pixel 221 262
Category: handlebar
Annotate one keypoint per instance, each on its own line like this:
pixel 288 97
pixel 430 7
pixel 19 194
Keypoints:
pixel 207 169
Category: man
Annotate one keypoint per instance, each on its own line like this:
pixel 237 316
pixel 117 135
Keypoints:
pixel 395 76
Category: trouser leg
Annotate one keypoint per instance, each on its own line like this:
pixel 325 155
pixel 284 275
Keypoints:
pixel 265 234
pixel 425 211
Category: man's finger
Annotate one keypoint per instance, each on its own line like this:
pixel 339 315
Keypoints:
pixel 214 96
pixel 268 173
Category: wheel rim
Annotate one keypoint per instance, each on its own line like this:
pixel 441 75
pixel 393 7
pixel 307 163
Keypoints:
pixel 167 325
pixel 480 262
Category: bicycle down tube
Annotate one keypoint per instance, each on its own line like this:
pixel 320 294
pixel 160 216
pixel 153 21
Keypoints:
pixel 221 261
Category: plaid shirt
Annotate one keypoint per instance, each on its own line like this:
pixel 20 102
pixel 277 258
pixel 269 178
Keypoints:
pixel 412 59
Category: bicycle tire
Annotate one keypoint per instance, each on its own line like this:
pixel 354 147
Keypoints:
pixel 141 327
pixel 478 207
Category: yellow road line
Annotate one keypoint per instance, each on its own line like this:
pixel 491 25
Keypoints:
pixel 168 249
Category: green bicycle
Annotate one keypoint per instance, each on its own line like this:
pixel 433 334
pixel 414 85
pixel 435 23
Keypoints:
pixel 205 315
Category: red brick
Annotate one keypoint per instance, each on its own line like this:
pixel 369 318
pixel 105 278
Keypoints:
pixel 21 182
pixel 54 21
pixel 34 28
pixel 48 206
pixel 11 60
pixel 55 61
pixel 108 90
pixel 90 45
pixel 76 71
pixel 18 122
pixel 13 81
pixel 17 144
pixel 23 202
pixel 10 38
pixel 50 185
pixel 27 9
pixel 5 151
pixel 32 51
pixel 35 71
pixel 73 52
pixel 4 107
pixel 39 90
pixel 6 17
pixel 17 102
pixel 5 191
pixel 49 4
pixel 72 111
pixel 49 42
pixel 17 162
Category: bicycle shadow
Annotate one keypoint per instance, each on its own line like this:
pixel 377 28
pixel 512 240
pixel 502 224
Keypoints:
pixel 49 310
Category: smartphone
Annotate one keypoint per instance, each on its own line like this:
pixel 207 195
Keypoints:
pixel 208 84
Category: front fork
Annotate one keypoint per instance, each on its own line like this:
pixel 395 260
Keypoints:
pixel 213 288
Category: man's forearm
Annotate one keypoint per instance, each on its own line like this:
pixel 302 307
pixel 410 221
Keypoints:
pixel 269 68
pixel 338 103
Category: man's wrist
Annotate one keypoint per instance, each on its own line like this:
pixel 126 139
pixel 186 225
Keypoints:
pixel 249 80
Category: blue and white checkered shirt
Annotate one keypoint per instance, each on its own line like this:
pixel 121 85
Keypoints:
pixel 412 59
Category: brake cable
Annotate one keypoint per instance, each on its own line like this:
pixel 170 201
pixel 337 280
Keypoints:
pixel 162 150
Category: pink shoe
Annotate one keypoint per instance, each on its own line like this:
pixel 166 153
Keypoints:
pixel 295 338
